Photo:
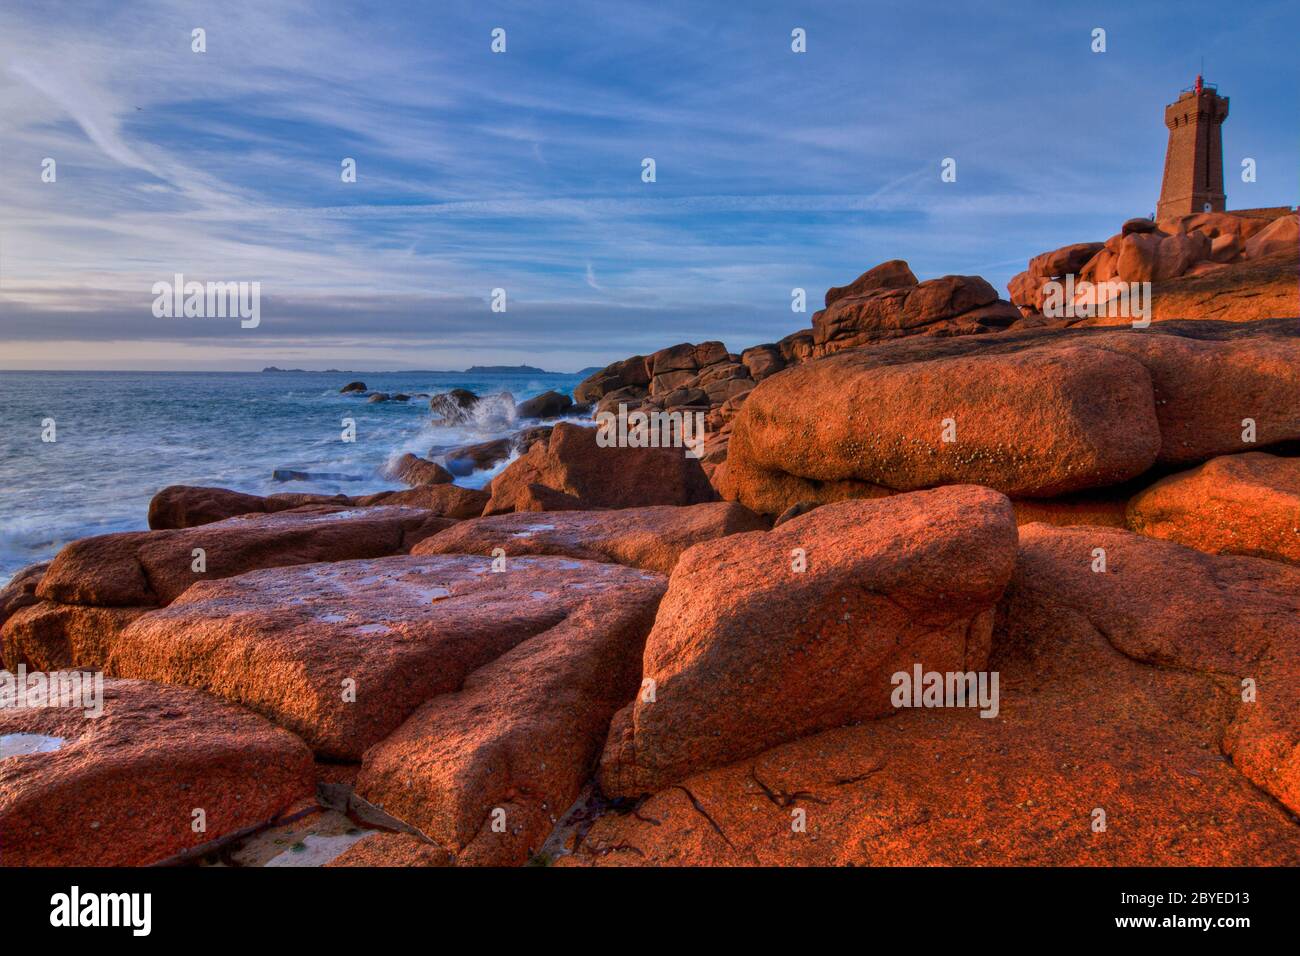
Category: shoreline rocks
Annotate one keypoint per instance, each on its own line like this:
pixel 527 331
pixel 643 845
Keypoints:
pixel 573 464
pixel 349 649
pixel 1245 504
pixel 767 636
pixel 126 788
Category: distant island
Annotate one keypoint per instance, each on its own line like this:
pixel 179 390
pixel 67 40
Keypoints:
pixel 473 370
pixel 508 370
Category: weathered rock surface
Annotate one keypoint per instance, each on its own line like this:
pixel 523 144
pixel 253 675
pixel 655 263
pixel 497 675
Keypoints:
pixel 650 538
pixel 549 404
pixel 1164 604
pixel 140 568
pixel 415 471
pixel 1036 413
pixel 572 463
pixel 185 506
pixel 49 636
pixel 296 643
pixel 1281 236
pixel 888 307
pixel 486 771
pixel 748 652
pixel 445 501
pixel 466 459
pixel 122 789
pixel 629 373
pixel 1238 504
pixel 1034 423
pixel 1203 266
pixel 1117 692
pixel 392 850
pixel 1081 727
pixel 20 592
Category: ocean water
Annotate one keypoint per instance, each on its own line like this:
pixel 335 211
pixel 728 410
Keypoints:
pixel 122 436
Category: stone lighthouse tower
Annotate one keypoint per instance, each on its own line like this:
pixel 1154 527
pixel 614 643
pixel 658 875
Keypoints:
pixel 1194 159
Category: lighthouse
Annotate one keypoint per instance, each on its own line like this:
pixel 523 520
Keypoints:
pixel 1193 180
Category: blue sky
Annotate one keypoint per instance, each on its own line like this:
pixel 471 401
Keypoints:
pixel 522 170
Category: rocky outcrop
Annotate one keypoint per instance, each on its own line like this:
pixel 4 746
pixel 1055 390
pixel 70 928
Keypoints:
pixel 187 506
pixel 467 459
pixel 141 568
pixel 1120 689
pixel 650 538
pixel 352 387
pixel 1234 618
pixel 162 771
pixel 443 501
pixel 550 404
pixel 415 471
pixel 487 770
pixel 392 850
pixel 572 463
pixel 97 586
pixel 1040 413
pixel 454 407
pixel 765 637
pixel 20 592
pixel 1238 504
pixel 1220 247
pixel 887 302
pixel 460 406
pixel 347 650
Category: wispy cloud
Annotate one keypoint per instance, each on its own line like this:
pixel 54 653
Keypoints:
pixel 477 171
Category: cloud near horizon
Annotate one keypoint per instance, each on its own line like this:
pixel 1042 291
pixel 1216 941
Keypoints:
pixel 522 170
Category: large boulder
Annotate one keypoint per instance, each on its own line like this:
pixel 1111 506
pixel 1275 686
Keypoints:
pixel 467 459
pixel 1034 423
pixel 1235 619
pixel 49 636
pixel 1064 261
pixel 453 407
pixel 1035 413
pixel 142 568
pixel 762 361
pixel 444 501
pixel 186 506
pixel 891 307
pixel 894 274
pixel 344 652
pixel 1218 394
pixel 1281 236
pixel 487 770
pixel 20 592
pixel 549 404
pixel 161 771
pixel 651 538
pixel 573 463
pixel 415 471
pixel 1237 504
pixel 1094 758
pixel 460 406
pixel 629 373
pixel 768 636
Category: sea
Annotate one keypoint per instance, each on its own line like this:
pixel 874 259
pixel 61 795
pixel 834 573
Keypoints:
pixel 119 437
